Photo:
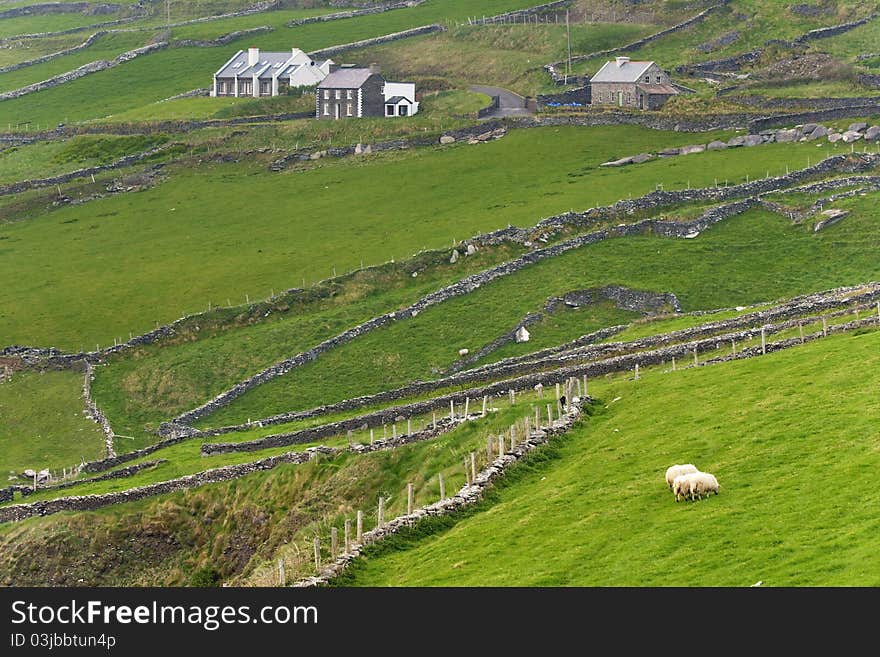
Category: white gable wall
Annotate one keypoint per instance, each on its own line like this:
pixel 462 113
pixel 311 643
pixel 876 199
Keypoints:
pixel 405 89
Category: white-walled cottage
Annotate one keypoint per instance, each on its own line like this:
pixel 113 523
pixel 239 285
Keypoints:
pixel 255 73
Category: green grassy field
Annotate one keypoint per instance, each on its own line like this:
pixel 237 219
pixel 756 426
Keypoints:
pixel 165 73
pixel 791 437
pixel 751 258
pixel 254 520
pixel 43 425
pixel 191 250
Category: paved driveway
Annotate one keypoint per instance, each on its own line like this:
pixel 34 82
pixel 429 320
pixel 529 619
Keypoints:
pixel 510 104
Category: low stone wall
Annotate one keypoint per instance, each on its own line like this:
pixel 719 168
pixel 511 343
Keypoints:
pixel 116 474
pixel 580 97
pixel 796 103
pixel 652 120
pixel 342 15
pixel 469 494
pixel 581 348
pixel 869 80
pixel 121 163
pixel 475 281
pixel 869 108
pixel 517 13
pixel 727 64
pixel 490 108
pixel 366 43
pixel 45 8
pixel 94 413
pixel 55 55
pixel 834 30
pixel 82 71
pixel 223 39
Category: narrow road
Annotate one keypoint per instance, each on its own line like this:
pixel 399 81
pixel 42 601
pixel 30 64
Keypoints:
pixel 510 104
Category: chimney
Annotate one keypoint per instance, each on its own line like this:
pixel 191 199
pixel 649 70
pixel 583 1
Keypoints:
pixel 621 61
pixel 253 56
pixel 375 69
pixel 334 67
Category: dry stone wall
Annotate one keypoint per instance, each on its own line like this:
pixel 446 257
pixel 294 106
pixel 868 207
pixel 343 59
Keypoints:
pixel 366 43
pixel 353 13
pixel 127 471
pixel 61 53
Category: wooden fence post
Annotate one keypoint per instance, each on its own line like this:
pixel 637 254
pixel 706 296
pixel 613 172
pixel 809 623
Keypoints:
pixel 360 526
pixel 434 418
pixel 485 401
pixel 512 397
pixel 500 444
pixel 696 361
pixel 394 430
pixel 528 429
pixel 473 466
pixel 637 371
pixel 451 410
pixel 348 536
pixel 557 390
pixel 442 487
pixel 824 327
pixel 371 436
pixel 801 329
pixel 733 348
pixel 673 363
pixel 334 542
pixel 317 545
pixel 512 437
pixel 763 341
pixel 380 516
pixel 467 403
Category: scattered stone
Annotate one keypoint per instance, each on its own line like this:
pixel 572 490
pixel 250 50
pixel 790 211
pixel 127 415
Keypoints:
pixel 697 148
pixel 735 142
pixel 859 126
pixel 835 137
pixel 851 135
pixel 716 145
pixel 817 132
pixel 753 140
pixel 809 127
pixel 522 334
pixel 669 152
pixel 784 136
pixel 832 216
pixel 873 133
pixel 641 157
pixel 317 155
pixel 358 149
pixel 471 249
pixel 454 258
pixel 447 139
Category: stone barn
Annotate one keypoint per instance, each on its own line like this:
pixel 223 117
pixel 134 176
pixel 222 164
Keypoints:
pixel 625 83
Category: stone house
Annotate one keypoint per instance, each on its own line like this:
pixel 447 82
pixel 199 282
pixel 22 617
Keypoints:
pixel 349 92
pixel 625 83
pixel 255 73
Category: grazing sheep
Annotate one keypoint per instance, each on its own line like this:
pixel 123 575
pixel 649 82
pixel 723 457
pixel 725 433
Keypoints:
pixel 675 470
pixel 681 485
pixel 703 483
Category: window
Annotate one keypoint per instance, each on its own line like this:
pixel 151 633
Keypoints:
pixel 326 109
pixel 338 94
pixel 348 109
pixel 647 79
pixel 348 94
pixel 265 87
pixel 389 110
pixel 658 79
pixel 326 94
pixel 403 110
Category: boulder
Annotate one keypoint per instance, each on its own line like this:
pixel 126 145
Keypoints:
pixel 471 249
pixel 817 132
pixel 851 135
pixel 873 133
pixel 618 163
pixel 716 145
pixel 29 473
pixel 784 136
pixel 807 128
pixel 859 126
pixel 464 352
pixel 696 148
pixel 831 216
pixel 753 140
pixel 735 142
pixel 835 137
pixel 447 139
pixel 455 256
pixel 522 334
pixel 641 157
pixel 669 152
pixel 317 155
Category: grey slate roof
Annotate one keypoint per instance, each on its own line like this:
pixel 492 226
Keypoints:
pixel 629 72
pixel 239 65
pixel 396 99
pixel 345 78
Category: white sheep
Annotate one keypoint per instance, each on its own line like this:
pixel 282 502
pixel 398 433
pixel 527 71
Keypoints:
pixel 703 483
pixel 694 483
pixel 674 470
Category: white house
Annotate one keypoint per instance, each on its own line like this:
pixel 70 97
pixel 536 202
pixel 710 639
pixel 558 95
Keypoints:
pixel 255 73
pixel 400 99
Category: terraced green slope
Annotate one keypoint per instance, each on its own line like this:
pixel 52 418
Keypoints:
pixel 792 438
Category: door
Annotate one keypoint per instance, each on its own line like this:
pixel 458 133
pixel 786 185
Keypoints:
pixel 641 101
pixel 336 110
pixel 620 99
